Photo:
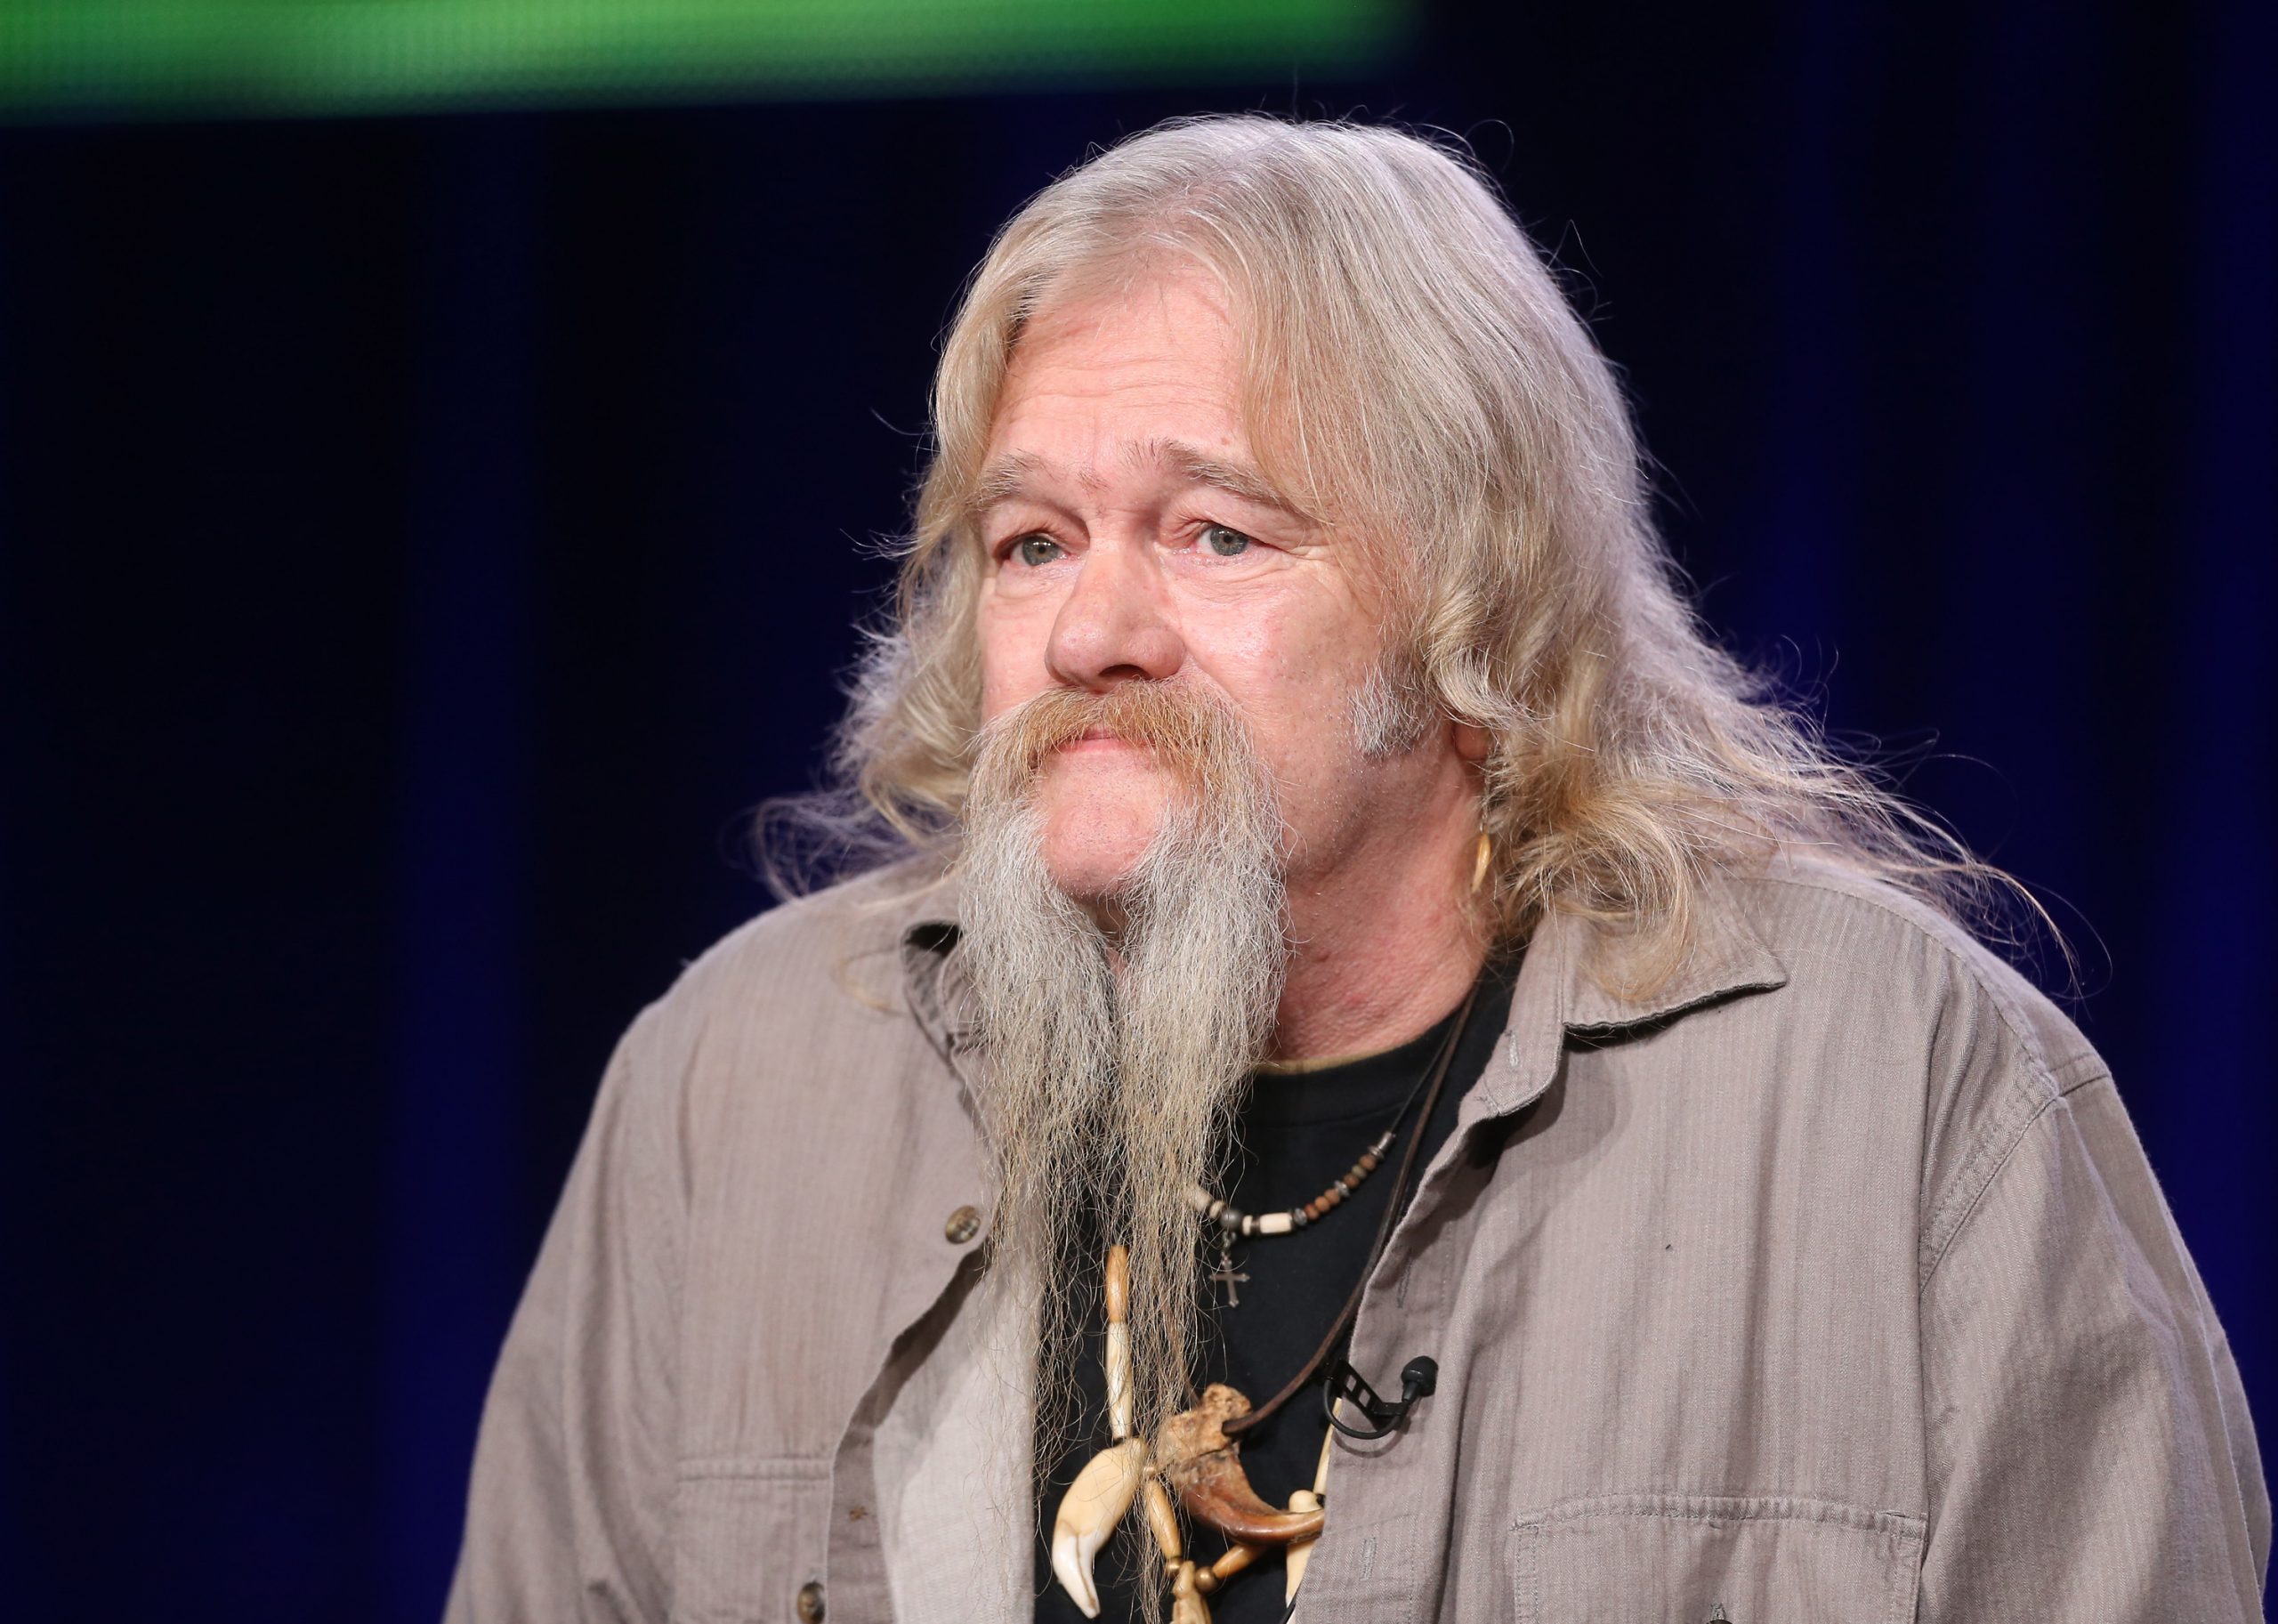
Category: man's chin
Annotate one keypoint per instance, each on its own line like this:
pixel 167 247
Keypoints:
pixel 1097 828
pixel 1093 874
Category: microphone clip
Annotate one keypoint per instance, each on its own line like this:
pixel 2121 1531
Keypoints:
pixel 1418 1378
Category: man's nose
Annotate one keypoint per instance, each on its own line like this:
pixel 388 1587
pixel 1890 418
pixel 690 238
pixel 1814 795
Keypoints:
pixel 1115 625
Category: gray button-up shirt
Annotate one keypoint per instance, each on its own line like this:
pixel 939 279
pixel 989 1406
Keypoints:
pixel 1827 1282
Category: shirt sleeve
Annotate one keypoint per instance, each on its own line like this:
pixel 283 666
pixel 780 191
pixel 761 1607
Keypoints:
pixel 2088 1443
pixel 567 1512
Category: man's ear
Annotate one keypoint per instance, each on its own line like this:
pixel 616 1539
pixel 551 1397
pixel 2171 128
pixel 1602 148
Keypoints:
pixel 1471 742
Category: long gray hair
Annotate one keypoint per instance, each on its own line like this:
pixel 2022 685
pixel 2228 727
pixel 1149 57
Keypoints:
pixel 1415 378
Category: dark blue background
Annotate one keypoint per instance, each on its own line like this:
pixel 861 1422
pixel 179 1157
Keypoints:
pixel 423 542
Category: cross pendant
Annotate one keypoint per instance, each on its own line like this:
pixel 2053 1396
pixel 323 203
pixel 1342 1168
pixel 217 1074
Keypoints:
pixel 1224 1275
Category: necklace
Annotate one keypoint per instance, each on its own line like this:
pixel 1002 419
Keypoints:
pixel 1195 1464
pixel 1232 1221
pixel 1229 1221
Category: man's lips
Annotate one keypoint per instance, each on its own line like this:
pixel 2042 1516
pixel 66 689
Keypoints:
pixel 1098 739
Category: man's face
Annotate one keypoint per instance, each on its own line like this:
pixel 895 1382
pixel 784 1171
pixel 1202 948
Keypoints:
pixel 1131 538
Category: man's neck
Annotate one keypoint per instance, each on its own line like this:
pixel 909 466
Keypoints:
pixel 1385 949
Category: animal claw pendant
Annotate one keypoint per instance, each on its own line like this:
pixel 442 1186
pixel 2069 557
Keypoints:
pixel 1205 1467
pixel 1202 1468
pixel 1095 1503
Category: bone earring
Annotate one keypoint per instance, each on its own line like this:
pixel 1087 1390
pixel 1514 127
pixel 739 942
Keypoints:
pixel 1480 853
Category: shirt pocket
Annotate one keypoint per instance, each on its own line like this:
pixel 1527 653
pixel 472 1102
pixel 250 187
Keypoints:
pixel 1689 1559
pixel 747 1535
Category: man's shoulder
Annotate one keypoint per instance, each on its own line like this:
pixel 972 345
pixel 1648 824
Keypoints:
pixel 821 971
pixel 1858 947
pixel 857 920
pixel 1917 1006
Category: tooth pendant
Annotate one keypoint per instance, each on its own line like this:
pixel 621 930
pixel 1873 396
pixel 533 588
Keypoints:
pixel 1095 1503
pixel 1193 1459
pixel 1104 1490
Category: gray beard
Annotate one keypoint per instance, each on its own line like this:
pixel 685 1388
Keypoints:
pixel 1114 1067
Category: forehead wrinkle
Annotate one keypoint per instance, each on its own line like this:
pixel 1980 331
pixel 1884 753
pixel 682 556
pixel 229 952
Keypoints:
pixel 1011 476
pixel 1197 466
pixel 1015 473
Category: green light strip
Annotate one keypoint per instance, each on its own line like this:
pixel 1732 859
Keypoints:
pixel 291 57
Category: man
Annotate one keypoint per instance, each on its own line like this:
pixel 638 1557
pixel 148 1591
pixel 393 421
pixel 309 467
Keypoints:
pixel 1344 935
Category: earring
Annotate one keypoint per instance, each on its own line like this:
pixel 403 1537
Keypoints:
pixel 1480 853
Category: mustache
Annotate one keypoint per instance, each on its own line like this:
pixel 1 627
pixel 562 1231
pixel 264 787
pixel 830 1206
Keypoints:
pixel 1191 732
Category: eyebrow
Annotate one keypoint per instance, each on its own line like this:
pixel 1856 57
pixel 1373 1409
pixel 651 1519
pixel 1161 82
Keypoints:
pixel 1007 479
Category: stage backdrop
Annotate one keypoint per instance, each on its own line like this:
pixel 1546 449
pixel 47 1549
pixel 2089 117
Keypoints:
pixel 427 536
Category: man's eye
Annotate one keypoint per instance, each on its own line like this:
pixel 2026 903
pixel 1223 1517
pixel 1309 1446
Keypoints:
pixel 1224 540
pixel 1036 551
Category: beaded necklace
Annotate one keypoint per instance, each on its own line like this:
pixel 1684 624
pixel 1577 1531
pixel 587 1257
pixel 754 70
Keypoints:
pixel 1229 1221
pixel 1232 1221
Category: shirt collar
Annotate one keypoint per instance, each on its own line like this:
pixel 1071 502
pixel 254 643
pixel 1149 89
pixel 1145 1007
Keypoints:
pixel 1569 979
pixel 1566 984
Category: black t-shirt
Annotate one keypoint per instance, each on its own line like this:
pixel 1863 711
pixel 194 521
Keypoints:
pixel 1297 1133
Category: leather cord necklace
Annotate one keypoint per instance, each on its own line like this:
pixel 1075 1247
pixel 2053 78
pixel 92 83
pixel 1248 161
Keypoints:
pixel 1434 1080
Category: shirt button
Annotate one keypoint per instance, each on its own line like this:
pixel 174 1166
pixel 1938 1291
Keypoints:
pixel 811 1604
pixel 964 1224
